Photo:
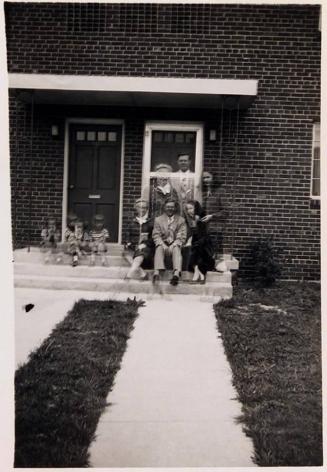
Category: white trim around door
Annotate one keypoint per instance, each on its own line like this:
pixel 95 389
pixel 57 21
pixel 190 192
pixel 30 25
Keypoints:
pixel 173 126
pixel 101 121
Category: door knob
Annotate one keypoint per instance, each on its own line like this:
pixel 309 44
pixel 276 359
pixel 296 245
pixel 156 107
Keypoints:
pixel 71 187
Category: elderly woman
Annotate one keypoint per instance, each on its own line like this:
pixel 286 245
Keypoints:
pixel 139 247
pixel 161 190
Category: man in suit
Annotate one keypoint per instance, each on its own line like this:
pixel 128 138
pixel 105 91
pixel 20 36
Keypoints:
pixel 183 180
pixel 169 236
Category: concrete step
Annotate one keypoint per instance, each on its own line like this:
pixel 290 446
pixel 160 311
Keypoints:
pixel 31 271
pixel 113 248
pixel 34 252
pixel 114 257
pixel 222 289
pixel 230 261
pixel 110 272
pixel 38 257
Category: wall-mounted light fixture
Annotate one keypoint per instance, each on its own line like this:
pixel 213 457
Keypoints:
pixel 54 131
pixel 212 135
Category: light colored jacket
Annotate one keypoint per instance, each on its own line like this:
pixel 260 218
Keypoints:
pixel 165 233
pixel 183 183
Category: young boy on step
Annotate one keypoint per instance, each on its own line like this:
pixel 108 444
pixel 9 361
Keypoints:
pixel 99 235
pixel 50 237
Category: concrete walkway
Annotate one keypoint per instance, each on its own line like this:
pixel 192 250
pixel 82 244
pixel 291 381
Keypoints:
pixel 172 404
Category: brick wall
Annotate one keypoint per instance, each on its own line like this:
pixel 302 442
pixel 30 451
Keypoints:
pixel 36 171
pixel 268 180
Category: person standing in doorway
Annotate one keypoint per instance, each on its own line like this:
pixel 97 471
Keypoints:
pixel 161 189
pixel 183 180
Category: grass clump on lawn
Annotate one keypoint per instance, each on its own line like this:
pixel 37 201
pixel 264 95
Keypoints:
pixel 61 391
pixel 272 338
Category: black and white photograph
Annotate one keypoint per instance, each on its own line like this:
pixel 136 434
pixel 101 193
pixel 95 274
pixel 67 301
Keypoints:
pixel 162 233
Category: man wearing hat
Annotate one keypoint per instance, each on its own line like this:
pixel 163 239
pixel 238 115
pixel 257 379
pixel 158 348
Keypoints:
pixel 161 189
pixel 169 236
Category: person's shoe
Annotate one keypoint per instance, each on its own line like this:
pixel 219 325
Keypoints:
pixel 144 277
pixel 155 279
pixel 174 280
pixel 194 281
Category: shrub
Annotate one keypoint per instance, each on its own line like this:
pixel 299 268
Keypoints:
pixel 264 260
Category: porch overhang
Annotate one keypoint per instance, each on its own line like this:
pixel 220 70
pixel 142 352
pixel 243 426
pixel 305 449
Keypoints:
pixel 135 91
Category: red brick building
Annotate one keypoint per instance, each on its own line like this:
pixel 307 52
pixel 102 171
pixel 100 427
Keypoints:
pixel 236 86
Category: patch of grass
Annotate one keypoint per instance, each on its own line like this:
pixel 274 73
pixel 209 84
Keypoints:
pixel 61 391
pixel 272 338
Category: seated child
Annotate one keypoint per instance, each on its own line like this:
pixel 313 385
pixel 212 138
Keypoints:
pixel 99 236
pixel 86 242
pixel 73 237
pixel 50 237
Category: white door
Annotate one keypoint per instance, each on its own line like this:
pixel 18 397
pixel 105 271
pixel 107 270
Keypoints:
pixel 163 143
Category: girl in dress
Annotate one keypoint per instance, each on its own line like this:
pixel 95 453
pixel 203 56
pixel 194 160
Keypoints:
pixel 139 247
pixel 200 253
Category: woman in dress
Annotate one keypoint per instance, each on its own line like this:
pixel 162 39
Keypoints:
pixel 139 247
pixel 214 210
pixel 198 249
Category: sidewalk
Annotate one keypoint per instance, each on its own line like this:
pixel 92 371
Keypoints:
pixel 172 404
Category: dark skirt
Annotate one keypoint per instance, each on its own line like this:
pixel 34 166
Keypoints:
pixel 133 238
pixel 148 254
pixel 202 254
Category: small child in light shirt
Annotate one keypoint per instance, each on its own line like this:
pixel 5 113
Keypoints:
pixel 50 237
pixel 99 236
pixel 73 237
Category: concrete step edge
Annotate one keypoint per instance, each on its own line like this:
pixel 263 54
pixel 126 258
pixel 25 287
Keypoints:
pixel 109 280
pixel 26 268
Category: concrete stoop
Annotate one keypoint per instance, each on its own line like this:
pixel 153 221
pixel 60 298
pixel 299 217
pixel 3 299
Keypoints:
pixel 31 271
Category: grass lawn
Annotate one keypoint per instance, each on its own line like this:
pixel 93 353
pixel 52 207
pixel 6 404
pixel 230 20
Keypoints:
pixel 61 391
pixel 272 338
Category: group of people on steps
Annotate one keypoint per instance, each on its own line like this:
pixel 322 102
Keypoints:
pixel 169 228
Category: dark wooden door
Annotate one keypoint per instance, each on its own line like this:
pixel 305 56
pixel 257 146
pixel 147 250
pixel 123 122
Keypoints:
pixel 94 173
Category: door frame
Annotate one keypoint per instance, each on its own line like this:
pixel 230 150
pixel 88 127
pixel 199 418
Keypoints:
pixel 197 127
pixel 100 121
